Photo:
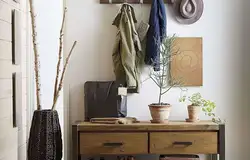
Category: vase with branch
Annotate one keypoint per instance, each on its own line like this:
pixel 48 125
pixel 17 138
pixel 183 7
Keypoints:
pixel 45 138
pixel 162 78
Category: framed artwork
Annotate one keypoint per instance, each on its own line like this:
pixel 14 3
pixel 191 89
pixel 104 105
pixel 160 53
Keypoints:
pixel 17 99
pixel 16 37
pixel 187 65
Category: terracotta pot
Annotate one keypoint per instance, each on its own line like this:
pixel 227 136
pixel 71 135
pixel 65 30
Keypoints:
pixel 159 112
pixel 193 112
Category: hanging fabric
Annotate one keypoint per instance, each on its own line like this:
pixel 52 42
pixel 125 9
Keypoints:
pixel 142 33
pixel 126 49
pixel 156 33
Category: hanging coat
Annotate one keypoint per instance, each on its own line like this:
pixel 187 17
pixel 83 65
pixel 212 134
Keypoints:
pixel 156 33
pixel 127 47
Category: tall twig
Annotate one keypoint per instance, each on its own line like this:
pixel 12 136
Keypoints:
pixel 62 76
pixel 59 55
pixel 36 56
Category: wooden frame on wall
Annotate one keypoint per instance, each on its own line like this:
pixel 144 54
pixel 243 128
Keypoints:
pixel 16 37
pixel 17 99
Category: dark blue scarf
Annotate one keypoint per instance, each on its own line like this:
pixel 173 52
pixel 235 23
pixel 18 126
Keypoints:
pixel 156 32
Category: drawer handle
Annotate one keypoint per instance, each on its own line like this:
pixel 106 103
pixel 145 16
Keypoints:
pixel 183 143
pixel 112 144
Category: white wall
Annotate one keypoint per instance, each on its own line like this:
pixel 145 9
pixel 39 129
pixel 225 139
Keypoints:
pixel 224 27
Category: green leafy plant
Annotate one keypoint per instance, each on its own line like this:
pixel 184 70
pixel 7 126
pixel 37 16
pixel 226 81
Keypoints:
pixel 208 106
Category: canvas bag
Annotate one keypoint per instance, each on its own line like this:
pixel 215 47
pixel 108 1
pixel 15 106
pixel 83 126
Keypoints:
pixel 101 100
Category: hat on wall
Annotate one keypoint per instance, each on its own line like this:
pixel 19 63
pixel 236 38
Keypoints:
pixel 188 11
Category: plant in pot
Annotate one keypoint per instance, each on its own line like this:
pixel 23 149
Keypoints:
pixel 198 104
pixel 162 78
pixel 45 138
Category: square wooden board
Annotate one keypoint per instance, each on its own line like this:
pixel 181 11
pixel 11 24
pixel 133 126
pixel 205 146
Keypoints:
pixel 188 66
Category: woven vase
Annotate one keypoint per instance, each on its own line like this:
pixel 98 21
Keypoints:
pixel 45 139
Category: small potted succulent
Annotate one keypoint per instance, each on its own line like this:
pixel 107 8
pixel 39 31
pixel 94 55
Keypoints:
pixel 161 77
pixel 198 104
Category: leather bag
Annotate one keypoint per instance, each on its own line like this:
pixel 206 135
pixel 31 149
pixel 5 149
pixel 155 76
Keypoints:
pixel 101 100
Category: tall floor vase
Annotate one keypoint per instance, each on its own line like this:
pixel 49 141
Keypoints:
pixel 45 139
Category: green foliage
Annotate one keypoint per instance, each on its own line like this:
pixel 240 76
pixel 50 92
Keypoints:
pixel 207 106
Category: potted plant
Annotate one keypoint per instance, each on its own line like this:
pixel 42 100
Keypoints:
pixel 198 104
pixel 45 138
pixel 160 111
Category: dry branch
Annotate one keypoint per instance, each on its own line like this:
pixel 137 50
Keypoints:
pixel 59 55
pixel 62 76
pixel 36 56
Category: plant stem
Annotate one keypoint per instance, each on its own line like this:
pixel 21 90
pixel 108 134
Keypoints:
pixel 62 76
pixel 160 95
pixel 161 80
pixel 36 56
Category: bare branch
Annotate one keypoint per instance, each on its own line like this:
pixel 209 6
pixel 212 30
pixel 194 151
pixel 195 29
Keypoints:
pixel 167 90
pixel 36 55
pixel 154 81
pixel 145 79
pixel 59 55
pixel 62 76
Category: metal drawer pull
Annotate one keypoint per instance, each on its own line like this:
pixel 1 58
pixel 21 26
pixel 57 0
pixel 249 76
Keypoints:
pixel 183 143
pixel 113 144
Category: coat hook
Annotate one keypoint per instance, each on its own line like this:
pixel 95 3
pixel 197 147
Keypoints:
pixel 171 1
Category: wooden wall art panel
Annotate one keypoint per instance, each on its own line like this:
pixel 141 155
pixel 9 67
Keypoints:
pixel 188 65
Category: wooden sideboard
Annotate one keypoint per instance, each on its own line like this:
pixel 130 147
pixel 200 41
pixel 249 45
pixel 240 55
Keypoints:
pixel 176 137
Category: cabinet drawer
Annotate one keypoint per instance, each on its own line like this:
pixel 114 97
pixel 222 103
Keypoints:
pixel 183 142
pixel 113 143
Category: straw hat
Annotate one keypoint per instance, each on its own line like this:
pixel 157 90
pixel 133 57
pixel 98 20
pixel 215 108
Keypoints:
pixel 188 11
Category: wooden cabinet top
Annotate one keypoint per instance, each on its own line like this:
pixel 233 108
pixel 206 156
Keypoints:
pixel 147 126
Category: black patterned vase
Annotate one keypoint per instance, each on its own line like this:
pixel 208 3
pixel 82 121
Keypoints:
pixel 45 139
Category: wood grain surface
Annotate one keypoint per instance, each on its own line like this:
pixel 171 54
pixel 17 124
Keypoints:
pixel 183 143
pixel 101 143
pixel 147 126
pixel 187 66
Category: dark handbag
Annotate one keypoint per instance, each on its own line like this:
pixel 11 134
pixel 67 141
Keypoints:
pixel 101 100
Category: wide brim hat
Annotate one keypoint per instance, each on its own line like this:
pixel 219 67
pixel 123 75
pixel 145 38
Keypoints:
pixel 188 11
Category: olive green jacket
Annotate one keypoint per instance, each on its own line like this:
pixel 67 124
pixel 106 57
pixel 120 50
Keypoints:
pixel 126 54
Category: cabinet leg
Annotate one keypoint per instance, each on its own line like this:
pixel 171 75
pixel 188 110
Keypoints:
pixel 222 151
pixel 75 143
pixel 214 157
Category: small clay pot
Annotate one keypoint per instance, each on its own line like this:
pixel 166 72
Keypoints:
pixel 193 113
pixel 159 112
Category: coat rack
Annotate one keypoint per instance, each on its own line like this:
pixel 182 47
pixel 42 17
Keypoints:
pixel 132 1
pixel 186 11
